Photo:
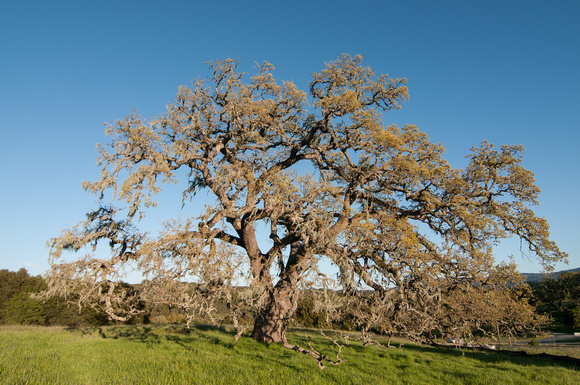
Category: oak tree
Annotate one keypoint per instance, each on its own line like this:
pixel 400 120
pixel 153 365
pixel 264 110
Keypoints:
pixel 327 178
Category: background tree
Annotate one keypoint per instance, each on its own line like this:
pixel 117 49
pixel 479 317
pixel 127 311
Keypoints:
pixel 551 293
pixel 19 304
pixel 570 283
pixel 560 298
pixel 16 306
pixel 328 179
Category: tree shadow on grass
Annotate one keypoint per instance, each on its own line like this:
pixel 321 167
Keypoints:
pixel 189 339
pixel 492 357
pixel 269 354
pixel 143 334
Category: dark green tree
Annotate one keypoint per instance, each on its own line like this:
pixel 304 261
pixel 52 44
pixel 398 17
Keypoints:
pixel 15 289
pixel 19 305
pixel 560 297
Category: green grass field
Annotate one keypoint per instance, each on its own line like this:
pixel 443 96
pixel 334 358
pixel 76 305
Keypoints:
pixel 172 355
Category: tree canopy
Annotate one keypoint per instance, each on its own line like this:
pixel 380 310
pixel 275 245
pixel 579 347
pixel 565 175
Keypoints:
pixel 328 178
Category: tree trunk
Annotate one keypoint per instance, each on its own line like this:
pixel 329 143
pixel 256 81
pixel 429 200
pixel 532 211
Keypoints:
pixel 271 323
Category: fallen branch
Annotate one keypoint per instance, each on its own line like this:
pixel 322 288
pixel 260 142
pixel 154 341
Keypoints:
pixel 320 358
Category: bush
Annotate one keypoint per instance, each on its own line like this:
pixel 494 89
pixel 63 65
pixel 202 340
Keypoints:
pixel 158 319
pixel 176 318
pixel 17 307
pixel 306 316
pixel 23 310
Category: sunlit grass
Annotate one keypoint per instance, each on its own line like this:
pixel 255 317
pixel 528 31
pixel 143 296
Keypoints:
pixel 158 355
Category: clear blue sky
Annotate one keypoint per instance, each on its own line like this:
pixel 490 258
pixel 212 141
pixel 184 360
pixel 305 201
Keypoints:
pixel 504 71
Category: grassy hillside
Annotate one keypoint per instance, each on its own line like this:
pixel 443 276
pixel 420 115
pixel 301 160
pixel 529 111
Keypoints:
pixel 537 277
pixel 171 355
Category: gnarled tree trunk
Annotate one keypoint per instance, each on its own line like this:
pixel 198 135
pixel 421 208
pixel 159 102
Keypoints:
pixel 271 323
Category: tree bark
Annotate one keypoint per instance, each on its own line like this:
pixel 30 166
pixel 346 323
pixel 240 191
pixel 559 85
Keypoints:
pixel 271 323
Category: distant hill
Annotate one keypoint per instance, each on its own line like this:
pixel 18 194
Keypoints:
pixel 537 277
